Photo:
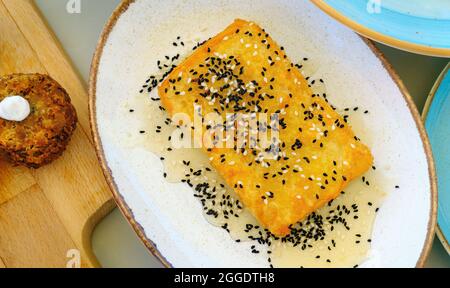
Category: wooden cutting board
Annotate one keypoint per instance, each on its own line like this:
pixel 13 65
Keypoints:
pixel 46 213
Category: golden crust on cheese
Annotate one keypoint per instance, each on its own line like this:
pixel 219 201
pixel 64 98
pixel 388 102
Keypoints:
pixel 243 70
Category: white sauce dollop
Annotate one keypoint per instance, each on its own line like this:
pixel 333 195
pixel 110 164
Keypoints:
pixel 14 108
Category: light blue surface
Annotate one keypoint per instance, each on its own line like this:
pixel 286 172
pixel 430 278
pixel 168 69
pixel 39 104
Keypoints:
pixel 417 30
pixel 438 127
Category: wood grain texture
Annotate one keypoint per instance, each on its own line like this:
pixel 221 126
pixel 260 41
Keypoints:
pixel 50 54
pixel 25 245
pixel 2 264
pixel 13 181
pixel 45 212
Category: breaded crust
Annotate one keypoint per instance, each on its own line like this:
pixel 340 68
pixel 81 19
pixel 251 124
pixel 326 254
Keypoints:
pixel 44 134
pixel 243 70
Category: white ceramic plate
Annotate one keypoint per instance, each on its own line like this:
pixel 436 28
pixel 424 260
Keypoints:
pixel 138 35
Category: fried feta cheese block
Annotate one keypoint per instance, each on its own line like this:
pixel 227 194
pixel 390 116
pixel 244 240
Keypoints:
pixel 242 70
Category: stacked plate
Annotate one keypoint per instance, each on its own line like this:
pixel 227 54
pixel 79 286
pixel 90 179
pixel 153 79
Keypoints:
pixel 437 122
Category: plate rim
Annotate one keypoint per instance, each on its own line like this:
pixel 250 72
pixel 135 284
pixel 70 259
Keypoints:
pixel 118 198
pixel 128 213
pixel 380 37
pixel 445 72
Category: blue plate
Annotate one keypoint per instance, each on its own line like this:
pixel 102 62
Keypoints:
pixel 437 123
pixel 418 26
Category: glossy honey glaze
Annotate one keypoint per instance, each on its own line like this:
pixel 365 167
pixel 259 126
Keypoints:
pixel 337 235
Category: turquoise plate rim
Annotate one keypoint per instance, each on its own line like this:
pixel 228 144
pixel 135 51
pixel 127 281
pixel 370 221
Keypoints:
pixel 440 93
pixel 415 34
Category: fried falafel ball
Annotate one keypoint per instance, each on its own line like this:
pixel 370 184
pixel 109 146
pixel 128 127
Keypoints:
pixel 44 134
